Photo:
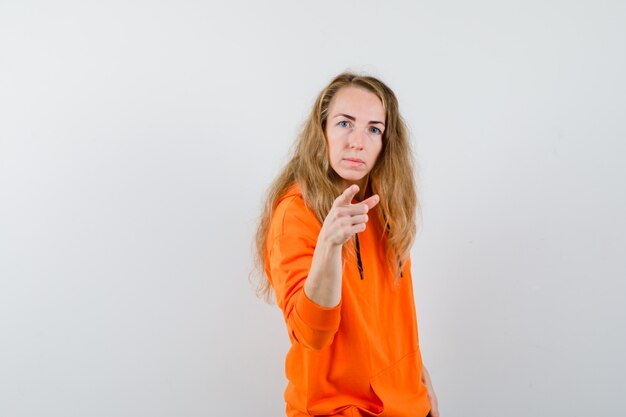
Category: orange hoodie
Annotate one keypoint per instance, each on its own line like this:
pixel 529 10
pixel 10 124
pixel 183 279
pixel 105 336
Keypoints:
pixel 362 357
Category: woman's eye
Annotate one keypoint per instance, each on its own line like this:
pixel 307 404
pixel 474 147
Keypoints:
pixel 375 130
pixel 343 123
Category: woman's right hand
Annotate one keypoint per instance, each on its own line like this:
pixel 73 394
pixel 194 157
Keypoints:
pixel 345 219
pixel 323 284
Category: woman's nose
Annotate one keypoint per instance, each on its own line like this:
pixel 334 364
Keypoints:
pixel 356 140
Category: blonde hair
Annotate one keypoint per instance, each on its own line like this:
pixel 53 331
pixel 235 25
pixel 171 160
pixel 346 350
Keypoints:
pixel 392 176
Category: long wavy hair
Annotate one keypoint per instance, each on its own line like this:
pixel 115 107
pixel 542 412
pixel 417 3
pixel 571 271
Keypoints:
pixel 392 176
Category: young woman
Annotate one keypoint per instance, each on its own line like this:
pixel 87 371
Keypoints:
pixel 334 242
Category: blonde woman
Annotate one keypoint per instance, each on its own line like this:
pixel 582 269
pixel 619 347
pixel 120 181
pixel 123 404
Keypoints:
pixel 333 243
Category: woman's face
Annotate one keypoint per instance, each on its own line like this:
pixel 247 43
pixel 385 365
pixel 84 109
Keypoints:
pixel 354 132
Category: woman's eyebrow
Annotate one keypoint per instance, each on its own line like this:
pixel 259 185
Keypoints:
pixel 347 116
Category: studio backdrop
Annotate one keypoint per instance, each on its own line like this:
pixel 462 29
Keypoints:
pixel 138 139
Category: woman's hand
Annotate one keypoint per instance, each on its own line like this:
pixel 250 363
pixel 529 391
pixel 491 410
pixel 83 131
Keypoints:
pixel 432 397
pixel 323 285
pixel 345 219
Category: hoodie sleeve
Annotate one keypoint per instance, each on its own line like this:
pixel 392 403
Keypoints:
pixel 293 236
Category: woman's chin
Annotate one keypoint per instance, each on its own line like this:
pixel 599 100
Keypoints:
pixel 352 176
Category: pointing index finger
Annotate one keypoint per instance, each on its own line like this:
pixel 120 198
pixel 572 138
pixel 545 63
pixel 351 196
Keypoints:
pixel 371 201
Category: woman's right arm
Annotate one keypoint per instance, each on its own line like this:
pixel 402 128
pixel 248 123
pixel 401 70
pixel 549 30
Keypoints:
pixel 305 265
pixel 323 284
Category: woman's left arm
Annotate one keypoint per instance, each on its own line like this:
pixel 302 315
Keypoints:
pixel 432 397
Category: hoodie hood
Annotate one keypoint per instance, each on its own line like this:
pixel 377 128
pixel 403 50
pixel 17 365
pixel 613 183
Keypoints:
pixel 293 190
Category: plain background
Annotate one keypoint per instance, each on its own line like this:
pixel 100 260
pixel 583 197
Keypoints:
pixel 137 140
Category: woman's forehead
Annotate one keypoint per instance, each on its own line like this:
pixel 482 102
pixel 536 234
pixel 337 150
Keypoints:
pixel 358 103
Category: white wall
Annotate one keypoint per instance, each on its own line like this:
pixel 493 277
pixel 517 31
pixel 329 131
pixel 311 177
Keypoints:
pixel 136 141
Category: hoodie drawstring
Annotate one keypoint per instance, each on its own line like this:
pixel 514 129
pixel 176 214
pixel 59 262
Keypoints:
pixel 358 255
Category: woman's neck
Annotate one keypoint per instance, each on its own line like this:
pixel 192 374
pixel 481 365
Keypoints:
pixel 364 189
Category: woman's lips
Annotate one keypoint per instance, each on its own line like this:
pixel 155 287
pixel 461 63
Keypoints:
pixel 354 162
